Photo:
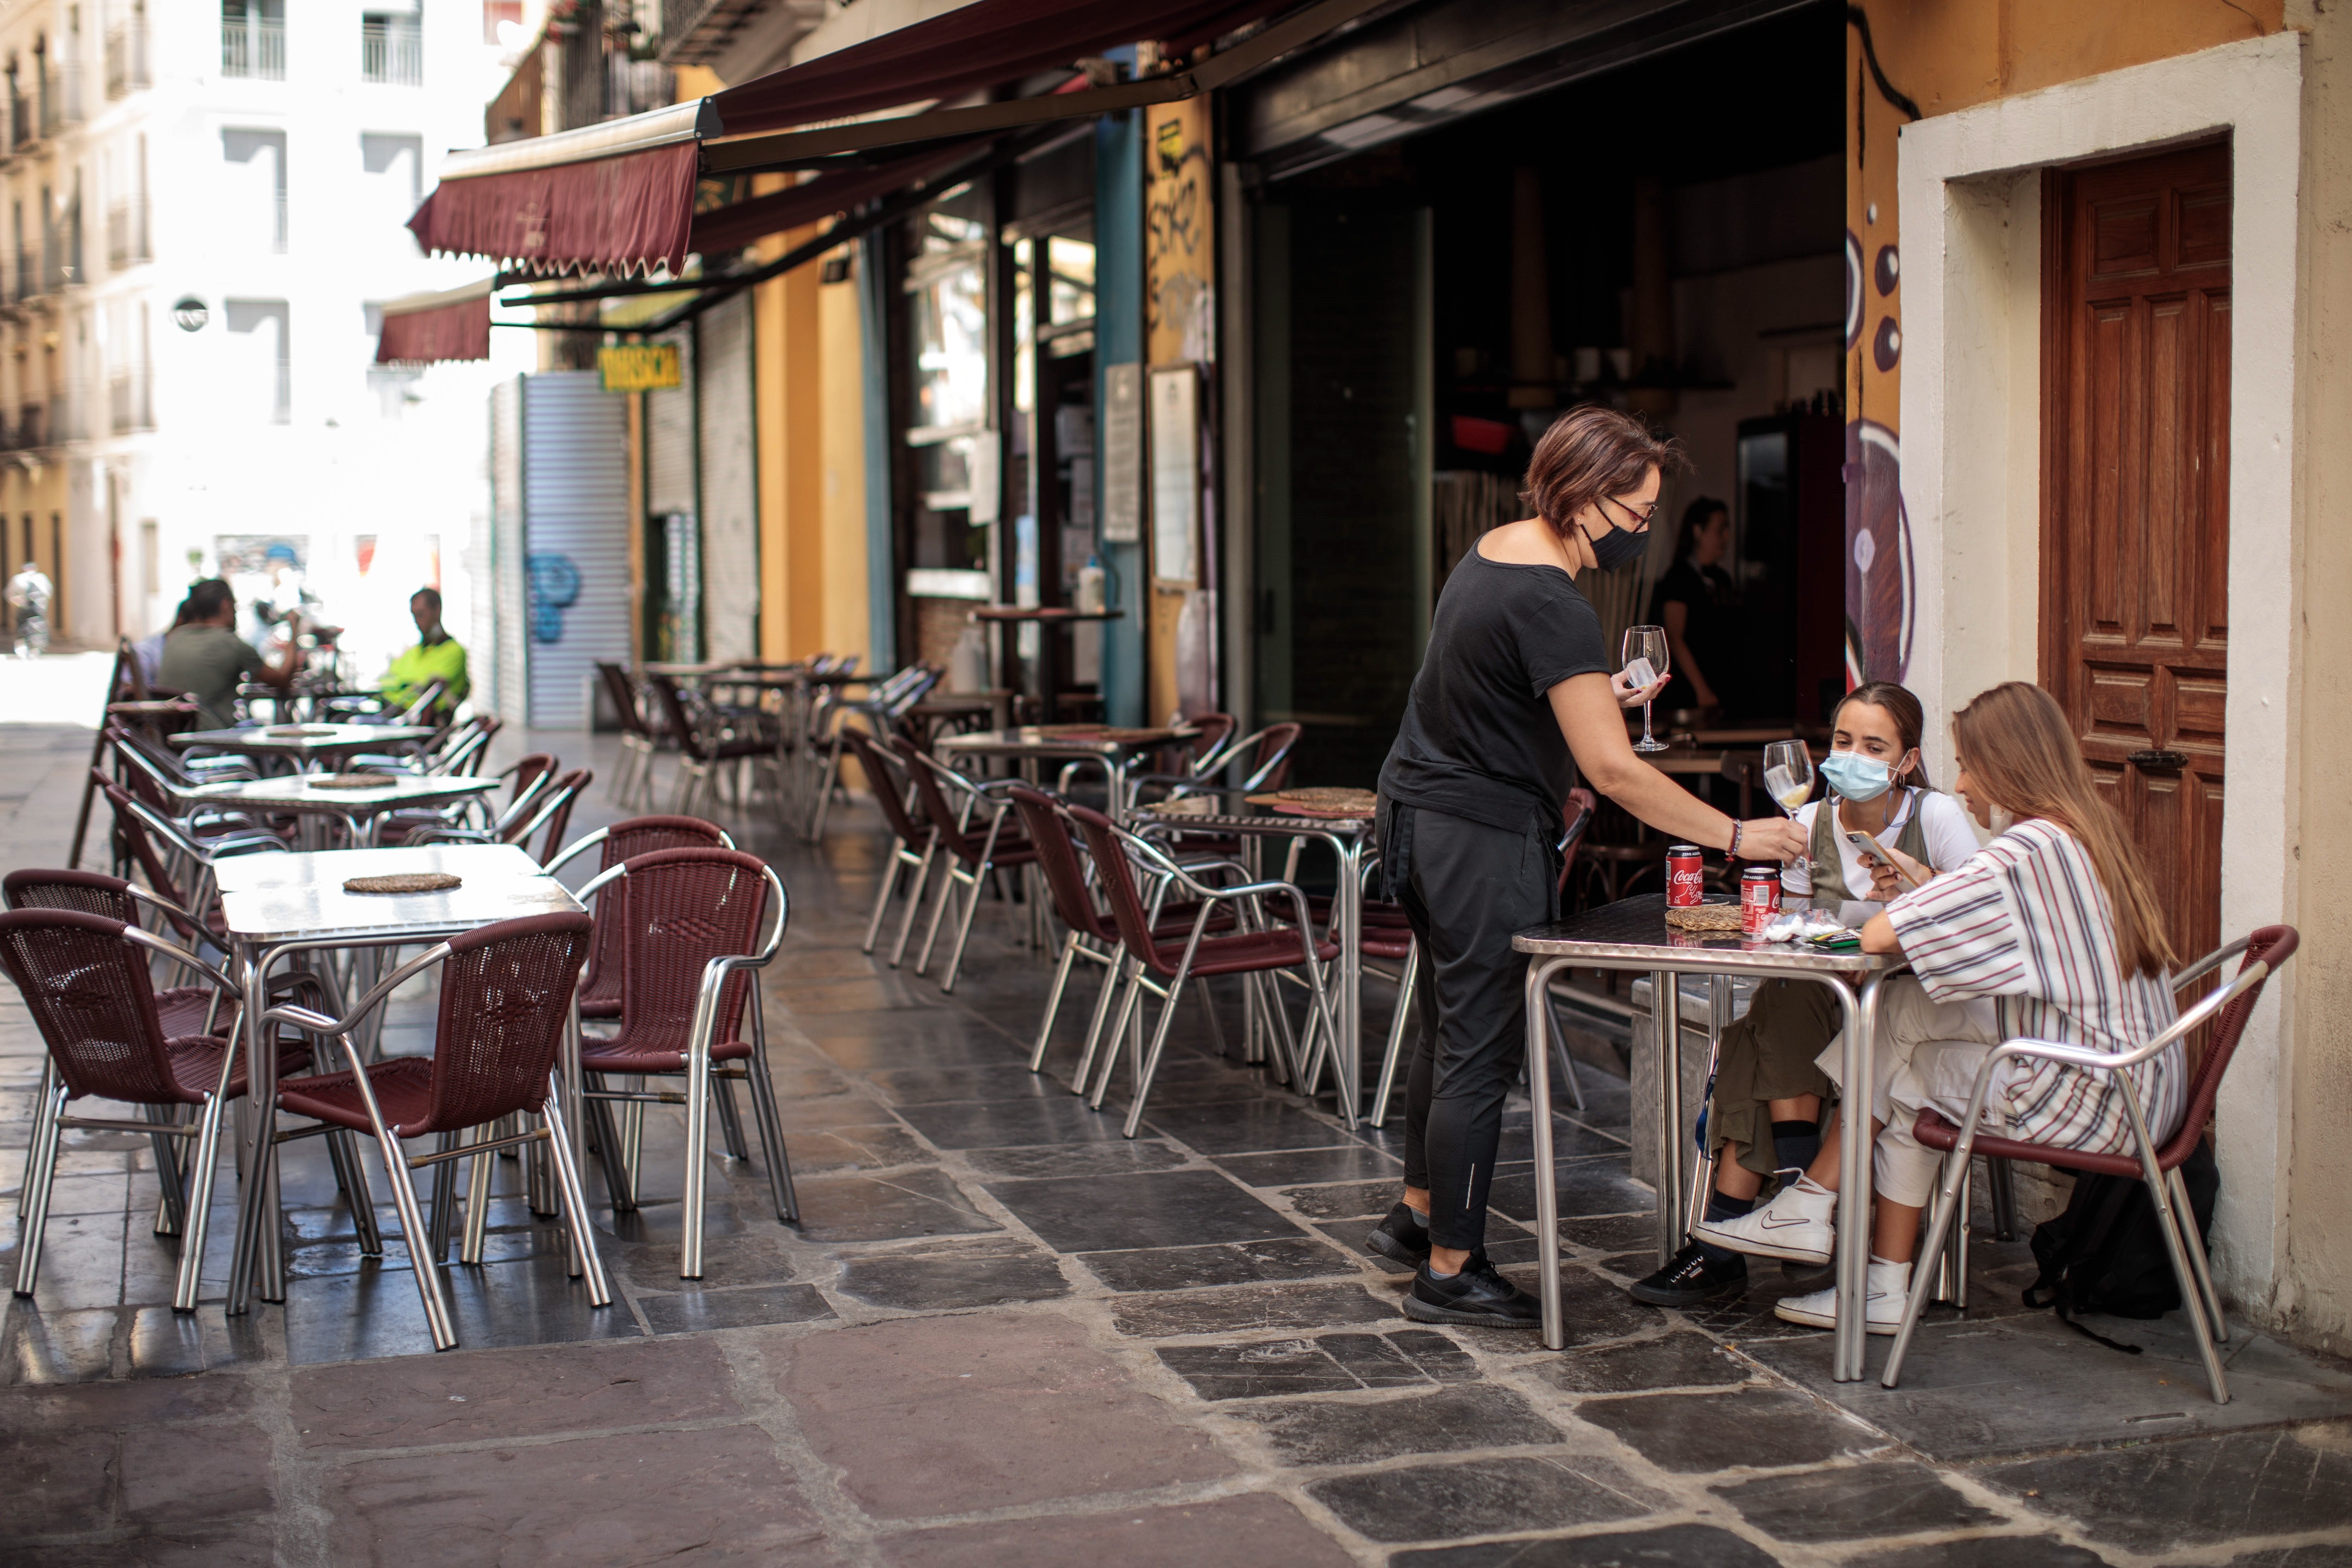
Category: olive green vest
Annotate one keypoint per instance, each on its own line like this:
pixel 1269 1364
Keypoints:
pixel 1828 864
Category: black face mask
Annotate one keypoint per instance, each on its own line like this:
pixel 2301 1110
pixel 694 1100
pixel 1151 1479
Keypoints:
pixel 1614 547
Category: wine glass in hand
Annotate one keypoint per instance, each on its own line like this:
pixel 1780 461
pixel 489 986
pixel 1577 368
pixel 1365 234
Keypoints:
pixel 1648 646
pixel 1789 776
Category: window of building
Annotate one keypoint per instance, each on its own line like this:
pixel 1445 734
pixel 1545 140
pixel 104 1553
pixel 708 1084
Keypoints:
pixel 126 52
pixel 393 167
pixel 392 44
pixel 253 38
pixel 392 387
pixel 261 374
pixel 261 197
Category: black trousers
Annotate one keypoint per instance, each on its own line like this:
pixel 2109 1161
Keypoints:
pixel 1466 889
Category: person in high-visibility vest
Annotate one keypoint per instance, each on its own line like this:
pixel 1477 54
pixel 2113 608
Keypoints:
pixel 438 656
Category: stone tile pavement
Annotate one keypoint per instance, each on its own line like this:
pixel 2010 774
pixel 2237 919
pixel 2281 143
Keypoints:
pixel 1003 1334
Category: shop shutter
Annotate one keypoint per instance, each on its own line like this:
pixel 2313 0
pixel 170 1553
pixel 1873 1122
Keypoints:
pixel 576 521
pixel 670 491
pixel 730 546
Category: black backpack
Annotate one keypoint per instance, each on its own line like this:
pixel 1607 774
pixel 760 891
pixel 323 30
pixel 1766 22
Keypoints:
pixel 2105 1253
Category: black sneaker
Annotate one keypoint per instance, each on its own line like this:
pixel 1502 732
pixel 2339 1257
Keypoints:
pixel 1478 1296
pixel 1691 1278
pixel 1401 1237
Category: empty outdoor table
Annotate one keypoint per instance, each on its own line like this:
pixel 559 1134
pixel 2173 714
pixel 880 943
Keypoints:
pixel 274 905
pixel 1112 746
pixel 1232 811
pixel 361 809
pixel 1632 935
pixel 308 745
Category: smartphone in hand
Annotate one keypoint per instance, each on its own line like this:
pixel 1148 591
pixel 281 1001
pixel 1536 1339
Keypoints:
pixel 1864 841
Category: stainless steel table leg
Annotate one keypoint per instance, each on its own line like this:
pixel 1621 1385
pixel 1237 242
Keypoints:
pixel 1349 1057
pixel 1666 1009
pixel 1855 1143
pixel 1540 974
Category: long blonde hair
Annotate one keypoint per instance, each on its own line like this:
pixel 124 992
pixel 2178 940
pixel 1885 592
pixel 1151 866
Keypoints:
pixel 2015 742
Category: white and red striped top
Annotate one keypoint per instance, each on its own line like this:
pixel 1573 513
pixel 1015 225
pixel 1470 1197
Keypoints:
pixel 2027 922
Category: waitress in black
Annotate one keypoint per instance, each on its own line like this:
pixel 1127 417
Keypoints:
pixel 1516 683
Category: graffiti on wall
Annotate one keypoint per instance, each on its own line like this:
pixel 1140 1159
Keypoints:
pixel 1179 222
pixel 554 588
pixel 1881 583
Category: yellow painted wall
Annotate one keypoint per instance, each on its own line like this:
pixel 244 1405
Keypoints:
pixel 841 472
pixel 1180 271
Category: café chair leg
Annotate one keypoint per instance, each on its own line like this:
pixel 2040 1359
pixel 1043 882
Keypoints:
pixel 477 1201
pixel 40 1173
pixel 445 1196
pixel 2196 1248
pixel 172 1207
pixel 416 1232
pixel 202 1163
pixel 1054 1002
pixel 1113 971
pixel 914 903
pixel 730 1120
pixel 1393 1057
pixel 345 1146
pixel 581 1231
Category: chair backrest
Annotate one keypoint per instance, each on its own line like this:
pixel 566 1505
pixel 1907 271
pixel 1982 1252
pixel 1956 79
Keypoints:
pixel 682 908
pixel 672 702
pixel 887 780
pixel 84 984
pixel 506 1000
pixel 931 791
pixel 2268 944
pixel 428 696
pixel 551 812
pixel 1117 875
pixel 91 893
pixel 133 829
pixel 624 698
pixel 1057 856
pixel 461 757
pixel 1268 755
pixel 528 774
pixel 1214 729
pixel 626 841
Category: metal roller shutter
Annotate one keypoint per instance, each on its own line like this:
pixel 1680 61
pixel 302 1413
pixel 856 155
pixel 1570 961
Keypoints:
pixel 731 545
pixel 576 517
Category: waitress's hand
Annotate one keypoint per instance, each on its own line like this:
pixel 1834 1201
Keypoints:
pixel 1771 838
pixel 1885 885
pixel 1628 694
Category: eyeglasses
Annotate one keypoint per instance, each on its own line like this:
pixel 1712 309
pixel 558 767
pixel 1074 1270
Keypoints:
pixel 1641 519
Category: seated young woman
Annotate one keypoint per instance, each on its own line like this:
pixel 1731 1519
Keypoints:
pixel 1767 1110
pixel 2053 931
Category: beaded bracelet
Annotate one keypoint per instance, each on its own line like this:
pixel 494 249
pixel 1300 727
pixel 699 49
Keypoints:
pixel 1738 829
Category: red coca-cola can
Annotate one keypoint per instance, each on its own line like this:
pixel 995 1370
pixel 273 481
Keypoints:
pixel 1760 899
pixel 1685 877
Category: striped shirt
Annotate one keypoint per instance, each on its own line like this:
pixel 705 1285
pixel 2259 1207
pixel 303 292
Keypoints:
pixel 2027 922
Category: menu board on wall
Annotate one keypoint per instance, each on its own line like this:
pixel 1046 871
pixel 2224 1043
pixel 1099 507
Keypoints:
pixel 1175 474
pixel 1122 453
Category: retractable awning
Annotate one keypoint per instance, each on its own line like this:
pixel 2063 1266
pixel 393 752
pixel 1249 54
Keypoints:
pixel 423 328
pixel 739 224
pixel 619 197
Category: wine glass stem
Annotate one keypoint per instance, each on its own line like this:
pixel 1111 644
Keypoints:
pixel 1646 741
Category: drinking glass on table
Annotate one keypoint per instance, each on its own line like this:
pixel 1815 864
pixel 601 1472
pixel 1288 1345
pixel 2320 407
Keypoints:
pixel 1646 647
pixel 1789 776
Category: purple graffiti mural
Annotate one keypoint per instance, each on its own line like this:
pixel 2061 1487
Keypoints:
pixel 1881 598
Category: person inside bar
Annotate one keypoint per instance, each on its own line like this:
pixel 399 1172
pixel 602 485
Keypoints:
pixel 1693 601
pixel 438 656
pixel 206 659
pixel 1515 692
pixel 2053 931
pixel 1766 1112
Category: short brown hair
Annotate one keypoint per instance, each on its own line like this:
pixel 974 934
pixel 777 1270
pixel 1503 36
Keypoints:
pixel 1590 452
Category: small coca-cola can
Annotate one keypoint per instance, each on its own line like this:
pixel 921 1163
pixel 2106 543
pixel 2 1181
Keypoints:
pixel 1685 877
pixel 1760 899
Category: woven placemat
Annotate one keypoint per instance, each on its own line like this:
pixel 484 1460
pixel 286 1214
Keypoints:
pixel 1188 805
pixel 1705 917
pixel 346 780
pixel 403 882
pixel 289 731
pixel 1109 732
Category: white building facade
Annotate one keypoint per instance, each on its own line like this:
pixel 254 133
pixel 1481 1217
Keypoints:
pixel 201 209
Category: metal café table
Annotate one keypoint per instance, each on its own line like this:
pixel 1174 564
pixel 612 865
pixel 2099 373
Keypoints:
pixel 1111 746
pixel 1232 811
pixel 306 745
pixel 361 809
pixel 275 905
pixel 1632 935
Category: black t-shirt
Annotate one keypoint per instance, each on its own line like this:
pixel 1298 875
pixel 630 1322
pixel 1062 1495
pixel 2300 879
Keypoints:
pixel 1705 592
pixel 1479 739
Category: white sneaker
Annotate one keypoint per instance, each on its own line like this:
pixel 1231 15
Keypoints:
pixel 1795 1224
pixel 1889 1286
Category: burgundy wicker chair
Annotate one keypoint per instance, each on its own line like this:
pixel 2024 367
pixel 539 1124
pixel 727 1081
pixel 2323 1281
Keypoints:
pixel 982 847
pixel 915 848
pixel 635 777
pixel 84 979
pixel 1093 934
pixel 506 1002
pixel 2159 1166
pixel 691 935
pixel 599 993
pixel 1258 950
pixel 704 747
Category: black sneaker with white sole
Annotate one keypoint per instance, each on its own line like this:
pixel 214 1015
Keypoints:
pixel 1401 1237
pixel 1478 1297
pixel 1690 1279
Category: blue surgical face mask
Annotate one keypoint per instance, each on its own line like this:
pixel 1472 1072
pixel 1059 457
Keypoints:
pixel 1857 777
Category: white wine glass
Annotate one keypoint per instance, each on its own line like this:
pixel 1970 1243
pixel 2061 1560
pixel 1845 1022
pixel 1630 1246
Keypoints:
pixel 1648 645
pixel 1788 777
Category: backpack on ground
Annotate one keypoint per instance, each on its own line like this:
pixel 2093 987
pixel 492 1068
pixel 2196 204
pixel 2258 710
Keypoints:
pixel 2105 1253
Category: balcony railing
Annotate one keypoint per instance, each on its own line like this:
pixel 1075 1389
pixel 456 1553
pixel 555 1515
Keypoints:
pixel 126 235
pixel 32 426
pixel 131 402
pixel 126 58
pixel 62 101
pixel 253 46
pixel 28 276
pixel 391 51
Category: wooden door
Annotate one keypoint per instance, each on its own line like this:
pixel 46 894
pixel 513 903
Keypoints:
pixel 2136 487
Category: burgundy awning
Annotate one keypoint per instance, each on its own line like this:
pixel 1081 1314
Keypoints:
pixel 969 47
pixel 426 328
pixel 621 213
pixel 739 224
